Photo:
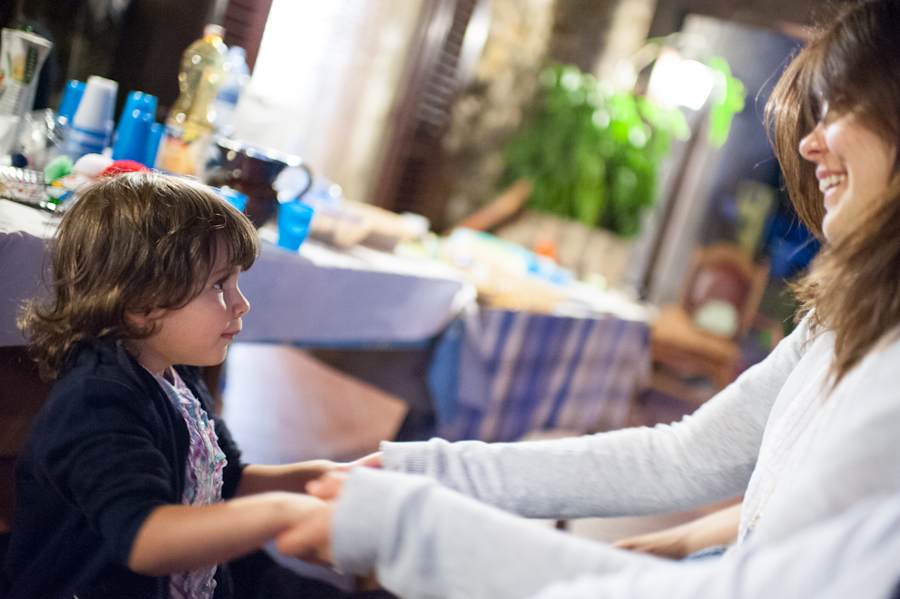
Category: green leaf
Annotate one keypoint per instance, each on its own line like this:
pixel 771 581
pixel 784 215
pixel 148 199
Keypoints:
pixel 728 101
pixel 592 153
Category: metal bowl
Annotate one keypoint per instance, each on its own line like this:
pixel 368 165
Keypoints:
pixel 251 170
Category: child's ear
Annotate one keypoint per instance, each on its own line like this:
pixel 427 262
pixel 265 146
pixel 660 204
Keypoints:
pixel 143 319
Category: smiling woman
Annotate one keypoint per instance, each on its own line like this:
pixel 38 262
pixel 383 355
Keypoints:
pixel 853 167
pixel 839 103
pixel 808 436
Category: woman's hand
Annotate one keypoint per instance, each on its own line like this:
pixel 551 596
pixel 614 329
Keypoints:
pixel 670 543
pixel 328 487
pixel 373 460
pixel 309 538
pixel 718 528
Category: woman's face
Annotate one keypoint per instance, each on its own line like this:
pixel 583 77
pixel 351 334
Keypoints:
pixel 853 167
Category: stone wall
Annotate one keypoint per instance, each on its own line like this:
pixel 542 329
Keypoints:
pixel 492 107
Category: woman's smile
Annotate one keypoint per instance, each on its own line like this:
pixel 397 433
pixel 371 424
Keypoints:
pixel 853 167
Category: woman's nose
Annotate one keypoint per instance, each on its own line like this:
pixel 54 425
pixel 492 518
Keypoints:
pixel 813 145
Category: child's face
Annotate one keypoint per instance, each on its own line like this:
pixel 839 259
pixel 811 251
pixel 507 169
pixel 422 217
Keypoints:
pixel 197 334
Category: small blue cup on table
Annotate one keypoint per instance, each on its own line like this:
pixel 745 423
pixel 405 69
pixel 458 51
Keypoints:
pixel 233 197
pixel 293 224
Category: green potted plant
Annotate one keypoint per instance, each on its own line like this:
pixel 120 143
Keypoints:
pixel 593 153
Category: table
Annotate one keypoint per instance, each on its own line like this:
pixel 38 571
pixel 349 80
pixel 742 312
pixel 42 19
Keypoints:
pixel 316 297
pixel 498 375
pixel 494 375
pixel 23 235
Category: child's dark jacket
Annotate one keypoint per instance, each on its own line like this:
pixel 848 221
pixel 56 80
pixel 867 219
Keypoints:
pixel 105 451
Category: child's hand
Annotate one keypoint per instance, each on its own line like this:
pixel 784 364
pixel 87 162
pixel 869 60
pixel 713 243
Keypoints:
pixel 373 460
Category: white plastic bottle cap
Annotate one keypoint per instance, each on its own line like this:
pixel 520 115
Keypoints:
pixel 216 30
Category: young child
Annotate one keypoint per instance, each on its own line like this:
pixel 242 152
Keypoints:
pixel 128 486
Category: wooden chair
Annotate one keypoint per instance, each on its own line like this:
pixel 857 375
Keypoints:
pixel 22 393
pixel 504 207
pixel 682 351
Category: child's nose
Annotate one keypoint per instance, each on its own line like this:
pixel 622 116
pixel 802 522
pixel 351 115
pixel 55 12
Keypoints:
pixel 241 305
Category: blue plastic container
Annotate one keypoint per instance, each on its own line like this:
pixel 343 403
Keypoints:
pixel 70 99
pixel 293 224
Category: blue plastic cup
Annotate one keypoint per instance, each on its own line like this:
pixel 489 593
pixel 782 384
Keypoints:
pixel 141 101
pixel 153 141
pixel 233 197
pixel 293 224
pixel 135 128
pixel 132 135
pixel 70 99
pixel 91 126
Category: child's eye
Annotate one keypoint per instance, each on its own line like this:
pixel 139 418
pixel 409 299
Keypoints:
pixel 218 285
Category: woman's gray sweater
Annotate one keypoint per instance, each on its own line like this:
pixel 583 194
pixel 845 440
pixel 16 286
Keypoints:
pixel 801 456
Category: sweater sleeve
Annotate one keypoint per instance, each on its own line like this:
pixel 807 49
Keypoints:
pixel 706 457
pixel 424 540
pixel 106 456
pixel 853 555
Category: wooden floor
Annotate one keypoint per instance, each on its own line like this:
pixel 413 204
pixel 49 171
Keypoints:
pixel 282 406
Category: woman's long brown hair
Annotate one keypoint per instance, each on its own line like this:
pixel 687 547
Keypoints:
pixel 853 286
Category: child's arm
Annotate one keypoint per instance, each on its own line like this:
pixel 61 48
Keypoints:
pixel 257 478
pixel 177 538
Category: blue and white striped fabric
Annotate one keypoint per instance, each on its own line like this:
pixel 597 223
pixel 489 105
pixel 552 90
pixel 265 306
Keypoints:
pixel 498 375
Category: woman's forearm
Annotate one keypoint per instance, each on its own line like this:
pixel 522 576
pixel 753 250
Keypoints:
pixel 178 538
pixel 678 542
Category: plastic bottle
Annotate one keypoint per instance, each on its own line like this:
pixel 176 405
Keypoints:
pixel 191 119
pixel 236 76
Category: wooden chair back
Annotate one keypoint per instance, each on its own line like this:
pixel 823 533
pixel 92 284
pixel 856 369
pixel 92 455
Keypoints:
pixel 726 272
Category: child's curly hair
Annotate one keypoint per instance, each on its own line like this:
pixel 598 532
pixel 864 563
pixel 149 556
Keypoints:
pixel 131 244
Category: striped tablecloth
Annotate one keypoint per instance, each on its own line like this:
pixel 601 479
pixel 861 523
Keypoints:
pixel 497 375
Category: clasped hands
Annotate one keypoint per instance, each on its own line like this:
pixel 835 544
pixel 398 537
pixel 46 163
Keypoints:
pixel 309 537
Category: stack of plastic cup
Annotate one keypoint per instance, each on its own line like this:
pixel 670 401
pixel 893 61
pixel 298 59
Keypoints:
pixel 133 135
pixel 153 141
pixel 70 99
pixel 91 126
